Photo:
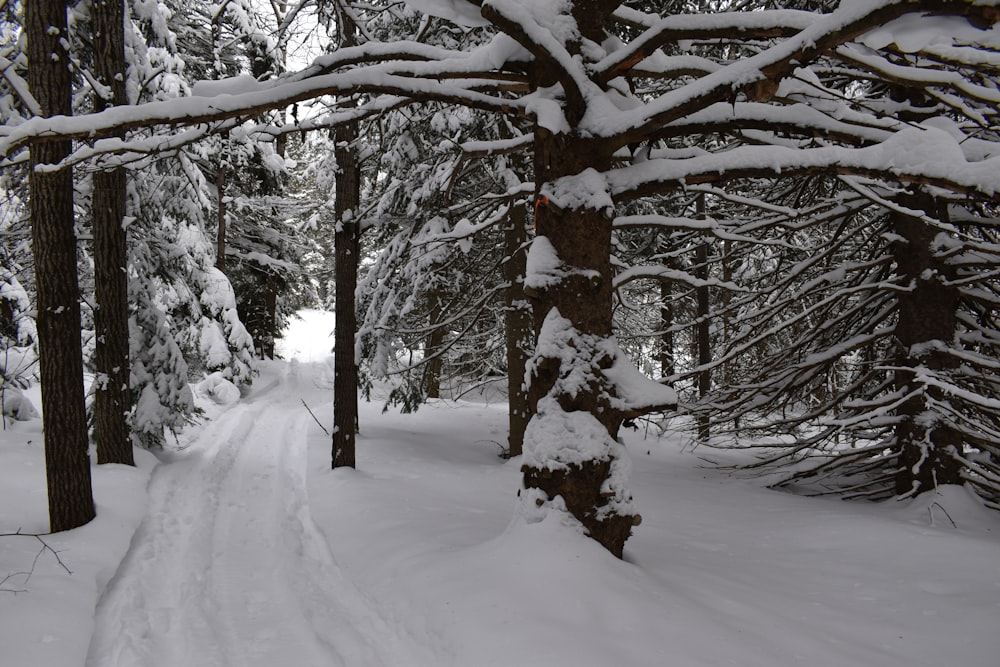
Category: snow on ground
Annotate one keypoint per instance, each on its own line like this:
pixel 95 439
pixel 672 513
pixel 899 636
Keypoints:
pixel 252 552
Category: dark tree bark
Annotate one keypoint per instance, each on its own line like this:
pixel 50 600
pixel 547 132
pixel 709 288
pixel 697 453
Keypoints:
pixel 518 334
pixel 346 251
pixel 928 447
pixel 704 335
pixel 220 239
pixel 572 456
pixel 270 318
pixel 67 462
pixel 112 397
pixel 432 345
pixel 581 237
pixel 666 339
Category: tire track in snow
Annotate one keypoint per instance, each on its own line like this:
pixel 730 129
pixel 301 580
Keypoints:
pixel 228 568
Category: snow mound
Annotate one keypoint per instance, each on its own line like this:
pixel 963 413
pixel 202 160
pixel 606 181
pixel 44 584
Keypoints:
pixel 16 405
pixel 216 387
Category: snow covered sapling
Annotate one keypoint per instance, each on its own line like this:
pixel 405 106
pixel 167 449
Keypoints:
pixel 18 359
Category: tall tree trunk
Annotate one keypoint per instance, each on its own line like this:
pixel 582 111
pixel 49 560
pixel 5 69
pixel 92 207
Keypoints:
pixel 67 462
pixel 518 332
pixel 573 460
pixel 928 444
pixel 666 338
pixel 220 239
pixel 571 451
pixel 704 333
pixel 112 397
pixel 347 250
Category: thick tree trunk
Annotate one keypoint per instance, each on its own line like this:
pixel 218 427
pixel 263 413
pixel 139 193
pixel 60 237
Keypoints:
pixel 346 251
pixel 571 454
pixel 928 445
pixel 578 376
pixel 518 333
pixel 67 463
pixel 112 397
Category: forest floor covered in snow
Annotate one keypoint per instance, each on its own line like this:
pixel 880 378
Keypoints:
pixel 244 549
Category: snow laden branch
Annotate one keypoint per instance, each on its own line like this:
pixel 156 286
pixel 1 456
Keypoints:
pixel 452 79
pixel 747 75
pixel 912 156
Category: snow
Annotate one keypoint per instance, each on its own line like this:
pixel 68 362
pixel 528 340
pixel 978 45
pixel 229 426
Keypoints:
pixel 216 387
pixel 916 32
pixel 308 337
pixel 229 86
pixel 544 268
pixel 247 550
pixel 458 12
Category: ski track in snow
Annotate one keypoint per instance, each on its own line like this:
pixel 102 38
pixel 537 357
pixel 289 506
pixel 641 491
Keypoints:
pixel 228 568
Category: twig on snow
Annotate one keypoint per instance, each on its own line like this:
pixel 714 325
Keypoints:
pixel 27 575
pixel 314 417
pixel 930 511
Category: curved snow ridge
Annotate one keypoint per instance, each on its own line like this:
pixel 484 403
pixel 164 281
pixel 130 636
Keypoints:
pixel 228 568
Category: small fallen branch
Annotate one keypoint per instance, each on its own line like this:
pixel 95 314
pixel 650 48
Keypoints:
pixel 930 511
pixel 34 563
pixel 314 417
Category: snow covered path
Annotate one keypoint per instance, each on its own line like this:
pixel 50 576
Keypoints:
pixel 228 567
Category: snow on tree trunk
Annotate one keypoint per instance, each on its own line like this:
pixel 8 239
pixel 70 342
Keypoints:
pixel 578 376
pixel 928 445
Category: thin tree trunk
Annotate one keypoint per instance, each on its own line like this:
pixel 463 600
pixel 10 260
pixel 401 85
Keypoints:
pixel 67 462
pixel 270 318
pixel 704 327
pixel 347 250
pixel 220 239
pixel 727 317
pixel 432 346
pixel 666 342
pixel 518 332
pixel 112 396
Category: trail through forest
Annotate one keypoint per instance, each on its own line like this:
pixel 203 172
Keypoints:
pixel 251 552
pixel 228 567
